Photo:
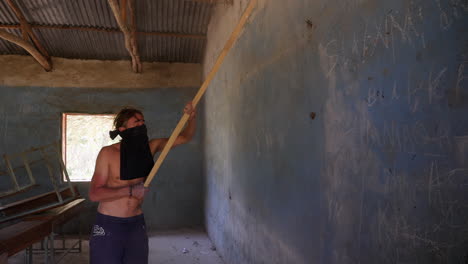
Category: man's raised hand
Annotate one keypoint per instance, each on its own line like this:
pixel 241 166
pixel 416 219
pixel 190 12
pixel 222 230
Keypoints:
pixel 190 110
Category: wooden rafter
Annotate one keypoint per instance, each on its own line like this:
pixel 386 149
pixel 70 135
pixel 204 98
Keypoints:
pixel 123 10
pixel 105 30
pixel 28 47
pixel 27 30
pixel 130 38
pixel 133 38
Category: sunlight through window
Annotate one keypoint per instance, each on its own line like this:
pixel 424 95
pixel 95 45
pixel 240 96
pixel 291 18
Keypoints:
pixel 83 136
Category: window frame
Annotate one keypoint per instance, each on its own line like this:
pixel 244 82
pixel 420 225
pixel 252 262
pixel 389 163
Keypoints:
pixel 64 139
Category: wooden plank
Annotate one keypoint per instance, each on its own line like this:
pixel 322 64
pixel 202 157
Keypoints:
pixel 66 192
pixel 21 235
pixel 232 39
pixel 22 166
pixel 34 228
pixel 21 190
pixel 59 214
pixel 11 172
pixel 69 211
pixel 33 203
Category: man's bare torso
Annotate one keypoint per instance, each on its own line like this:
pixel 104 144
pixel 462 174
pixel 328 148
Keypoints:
pixel 120 207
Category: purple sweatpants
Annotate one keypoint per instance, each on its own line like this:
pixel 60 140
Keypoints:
pixel 116 240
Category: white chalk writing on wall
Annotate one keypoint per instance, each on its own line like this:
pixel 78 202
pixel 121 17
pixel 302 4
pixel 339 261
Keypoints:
pixel 434 141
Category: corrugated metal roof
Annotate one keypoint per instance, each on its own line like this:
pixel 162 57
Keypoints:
pixel 83 44
pixel 7 47
pixel 90 13
pixel 173 16
pixel 166 16
pixel 171 49
pixel 6 15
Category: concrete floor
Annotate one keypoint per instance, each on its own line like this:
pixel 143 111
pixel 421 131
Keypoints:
pixel 169 247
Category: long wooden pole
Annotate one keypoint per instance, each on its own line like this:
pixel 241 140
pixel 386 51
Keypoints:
pixel 201 91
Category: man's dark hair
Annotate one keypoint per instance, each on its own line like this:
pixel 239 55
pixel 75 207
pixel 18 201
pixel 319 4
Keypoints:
pixel 124 115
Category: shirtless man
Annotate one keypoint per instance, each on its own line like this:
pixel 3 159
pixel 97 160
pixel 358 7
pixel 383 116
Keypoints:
pixel 119 234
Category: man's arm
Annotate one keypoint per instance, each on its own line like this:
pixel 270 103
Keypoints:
pixel 98 190
pixel 185 136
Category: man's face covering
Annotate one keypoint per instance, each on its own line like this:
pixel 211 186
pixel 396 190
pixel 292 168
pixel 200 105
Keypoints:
pixel 136 160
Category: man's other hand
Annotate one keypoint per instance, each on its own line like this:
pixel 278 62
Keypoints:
pixel 139 190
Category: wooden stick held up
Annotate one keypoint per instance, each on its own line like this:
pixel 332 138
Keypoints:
pixel 232 39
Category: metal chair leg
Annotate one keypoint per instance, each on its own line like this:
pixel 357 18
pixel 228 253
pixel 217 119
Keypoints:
pixel 46 252
pixel 52 247
pixel 28 256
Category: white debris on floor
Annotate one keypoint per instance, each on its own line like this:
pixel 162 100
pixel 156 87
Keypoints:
pixel 187 246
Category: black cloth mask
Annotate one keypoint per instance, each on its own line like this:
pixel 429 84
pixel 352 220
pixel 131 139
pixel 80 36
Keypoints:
pixel 136 160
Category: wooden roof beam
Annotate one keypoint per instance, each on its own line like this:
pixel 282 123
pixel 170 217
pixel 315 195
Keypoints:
pixel 133 38
pixel 129 33
pixel 45 63
pixel 123 10
pixel 27 30
pixel 106 30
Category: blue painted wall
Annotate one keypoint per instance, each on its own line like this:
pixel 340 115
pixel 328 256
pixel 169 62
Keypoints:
pixel 31 116
pixel 380 174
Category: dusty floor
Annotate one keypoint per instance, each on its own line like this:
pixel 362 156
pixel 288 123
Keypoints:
pixel 168 247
